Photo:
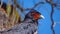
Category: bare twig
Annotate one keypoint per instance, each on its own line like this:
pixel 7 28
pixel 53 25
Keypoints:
pixel 38 4
pixel 23 9
pixel 51 15
pixel 56 4
pixel 35 5
pixel 52 26
pixel 18 6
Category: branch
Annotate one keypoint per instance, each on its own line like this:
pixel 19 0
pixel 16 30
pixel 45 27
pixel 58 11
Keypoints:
pixel 35 5
pixel 52 26
pixel 18 6
pixel 23 9
pixel 38 4
pixel 52 12
pixel 57 5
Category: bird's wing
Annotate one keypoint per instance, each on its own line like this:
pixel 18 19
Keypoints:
pixel 23 28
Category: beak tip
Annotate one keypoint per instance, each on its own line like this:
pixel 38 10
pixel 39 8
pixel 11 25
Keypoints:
pixel 42 16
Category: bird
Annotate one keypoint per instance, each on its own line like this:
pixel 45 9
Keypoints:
pixel 28 26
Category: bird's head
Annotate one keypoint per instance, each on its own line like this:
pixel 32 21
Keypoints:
pixel 35 15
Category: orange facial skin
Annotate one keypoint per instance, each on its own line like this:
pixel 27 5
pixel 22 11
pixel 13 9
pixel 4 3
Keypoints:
pixel 36 15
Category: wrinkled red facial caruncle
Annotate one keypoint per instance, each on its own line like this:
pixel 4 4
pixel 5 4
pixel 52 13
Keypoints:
pixel 36 15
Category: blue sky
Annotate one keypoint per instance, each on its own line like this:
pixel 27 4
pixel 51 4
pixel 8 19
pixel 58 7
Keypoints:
pixel 44 26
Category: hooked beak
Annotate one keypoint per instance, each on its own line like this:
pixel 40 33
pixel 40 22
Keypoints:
pixel 41 16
